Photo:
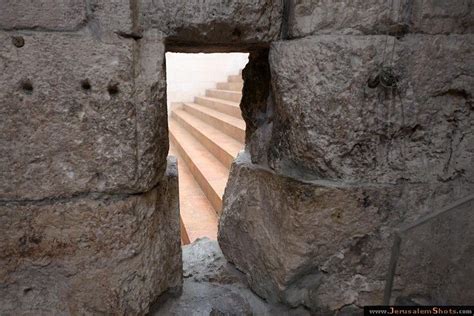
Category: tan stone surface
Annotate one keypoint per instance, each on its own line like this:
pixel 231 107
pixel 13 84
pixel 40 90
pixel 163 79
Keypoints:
pixel 199 217
pixel 63 138
pixel 329 124
pixel 320 244
pixel 91 254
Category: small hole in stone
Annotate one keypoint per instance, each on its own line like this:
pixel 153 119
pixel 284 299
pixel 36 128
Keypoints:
pixel 113 88
pixel 373 81
pixel 26 290
pixel 85 84
pixel 18 41
pixel 27 86
pixel 236 32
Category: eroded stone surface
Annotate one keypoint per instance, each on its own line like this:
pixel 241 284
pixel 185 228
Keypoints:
pixel 433 261
pixel 320 244
pixel 91 255
pixel 329 124
pixel 64 15
pixel 209 22
pixel 214 287
pixel 309 17
pixel 72 120
pixel 83 113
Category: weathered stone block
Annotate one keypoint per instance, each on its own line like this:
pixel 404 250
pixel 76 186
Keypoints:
pixel 91 254
pixel 63 15
pixel 211 22
pixel 72 119
pixel 379 17
pixel 319 244
pixel 441 17
pixel 116 16
pixel 341 16
pixel 432 259
pixel 329 124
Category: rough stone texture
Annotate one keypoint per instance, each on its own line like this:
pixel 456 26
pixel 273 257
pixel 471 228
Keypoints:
pixel 320 244
pixel 309 17
pixel 214 22
pixel 439 239
pixel 65 15
pixel 335 166
pixel 91 254
pixel 61 139
pixel 328 124
pixel 116 16
pixel 255 96
pixel 441 17
pixel 214 287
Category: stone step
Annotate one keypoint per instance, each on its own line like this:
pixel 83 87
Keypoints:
pixel 234 86
pixel 222 146
pixel 184 233
pixel 235 78
pixel 229 95
pixel 230 125
pixel 207 170
pixel 198 217
pixel 224 106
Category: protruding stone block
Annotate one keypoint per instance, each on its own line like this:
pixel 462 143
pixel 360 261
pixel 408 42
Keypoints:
pixel 329 123
pixel 91 254
pixel 320 244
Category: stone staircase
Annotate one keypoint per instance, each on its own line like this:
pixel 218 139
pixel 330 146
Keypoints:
pixel 205 136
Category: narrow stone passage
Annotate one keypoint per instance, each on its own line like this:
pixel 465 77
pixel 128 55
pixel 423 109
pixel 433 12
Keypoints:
pixel 206 136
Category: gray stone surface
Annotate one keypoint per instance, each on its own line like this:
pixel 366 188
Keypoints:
pixel 210 22
pixel 396 17
pixel 328 124
pixel 91 254
pixel 65 15
pixel 441 17
pixel 61 139
pixel 320 244
pixel 433 261
pixel 214 287
pixel 116 16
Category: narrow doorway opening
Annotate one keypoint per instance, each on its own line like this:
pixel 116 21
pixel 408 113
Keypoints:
pixel 206 133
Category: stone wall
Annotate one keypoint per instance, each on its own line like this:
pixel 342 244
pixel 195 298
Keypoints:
pixel 332 167
pixel 89 214
pixel 335 164
pixel 88 211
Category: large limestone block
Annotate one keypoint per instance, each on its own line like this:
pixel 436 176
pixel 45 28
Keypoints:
pixel 72 119
pixel 89 255
pixel 320 244
pixel 379 16
pixel 329 124
pixel 101 17
pixel 64 15
pixel 213 21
